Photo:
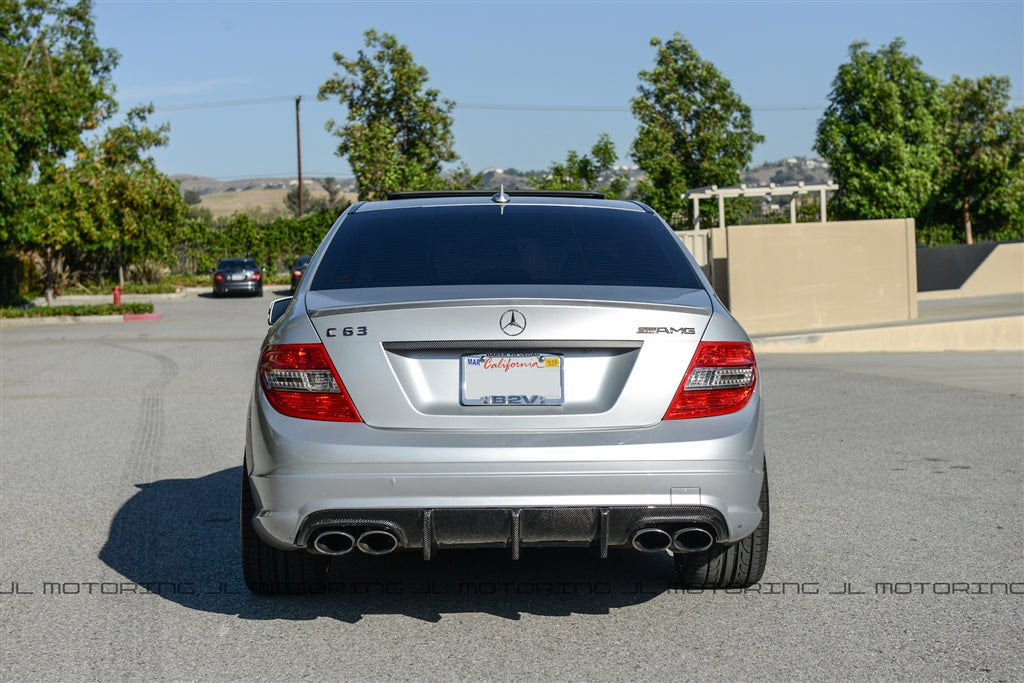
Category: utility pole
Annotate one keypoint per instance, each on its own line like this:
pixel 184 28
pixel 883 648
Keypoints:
pixel 298 147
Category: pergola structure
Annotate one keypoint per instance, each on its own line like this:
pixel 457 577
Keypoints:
pixel 760 191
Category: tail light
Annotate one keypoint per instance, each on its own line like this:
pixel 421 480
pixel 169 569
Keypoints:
pixel 720 380
pixel 218 277
pixel 255 277
pixel 300 381
pixel 297 274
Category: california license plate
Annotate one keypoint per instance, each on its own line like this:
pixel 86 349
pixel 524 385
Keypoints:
pixel 512 379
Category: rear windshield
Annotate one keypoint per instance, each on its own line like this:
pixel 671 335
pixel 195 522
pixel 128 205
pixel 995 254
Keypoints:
pixel 460 245
pixel 236 263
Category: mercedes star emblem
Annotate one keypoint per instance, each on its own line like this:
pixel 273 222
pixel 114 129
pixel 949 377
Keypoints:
pixel 512 322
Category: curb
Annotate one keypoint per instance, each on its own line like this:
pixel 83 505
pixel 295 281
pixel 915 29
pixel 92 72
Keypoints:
pixel 982 334
pixel 108 298
pixel 135 317
pixel 78 319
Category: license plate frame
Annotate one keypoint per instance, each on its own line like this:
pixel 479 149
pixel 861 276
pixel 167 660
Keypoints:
pixel 518 379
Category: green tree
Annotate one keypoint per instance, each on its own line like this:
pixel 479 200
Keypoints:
pixel 880 134
pixel 587 172
pixel 461 178
pixel 310 202
pixel 694 130
pixel 397 133
pixel 192 198
pixel 333 190
pixel 140 210
pixel 981 174
pixel 54 85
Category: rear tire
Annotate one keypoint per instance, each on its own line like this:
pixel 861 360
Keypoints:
pixel 729 566
pixel 269 571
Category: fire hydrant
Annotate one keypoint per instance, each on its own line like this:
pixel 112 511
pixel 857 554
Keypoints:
pixel 117 295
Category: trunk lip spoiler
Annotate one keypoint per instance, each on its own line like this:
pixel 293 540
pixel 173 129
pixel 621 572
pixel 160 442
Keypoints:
pixel 448 303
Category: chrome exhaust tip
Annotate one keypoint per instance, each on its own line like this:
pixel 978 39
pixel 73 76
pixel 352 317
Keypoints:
pixel 651 540
pixel 692 539
pixel 377 542
pixel 334 542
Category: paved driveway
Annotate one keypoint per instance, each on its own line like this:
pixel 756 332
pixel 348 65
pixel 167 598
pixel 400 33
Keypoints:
pixel 896 547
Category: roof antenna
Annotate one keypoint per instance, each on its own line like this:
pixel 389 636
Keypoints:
pixel 500 197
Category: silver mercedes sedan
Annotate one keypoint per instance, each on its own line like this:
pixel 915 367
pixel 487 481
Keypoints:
pixel 516 369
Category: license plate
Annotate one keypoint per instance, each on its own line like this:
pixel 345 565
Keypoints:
pixel 512 379
pixel 236 276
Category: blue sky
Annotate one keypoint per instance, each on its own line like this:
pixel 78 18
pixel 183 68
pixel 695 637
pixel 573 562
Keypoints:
pixel 533 80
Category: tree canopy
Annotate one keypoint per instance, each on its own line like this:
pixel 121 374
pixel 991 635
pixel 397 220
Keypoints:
pixel 54 85
pixel 981 169
pixel 880 134
pixel 397 132
pixel 900 143
pixel 63 184
pixel 587 172
pixel 694 130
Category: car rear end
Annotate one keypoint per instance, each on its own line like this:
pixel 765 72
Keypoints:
pixel 535 371
pixel 298 271
pixel 237 276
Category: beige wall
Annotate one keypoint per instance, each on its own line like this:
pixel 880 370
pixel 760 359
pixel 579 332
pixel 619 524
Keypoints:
pixel 1002 272
pixel 807 276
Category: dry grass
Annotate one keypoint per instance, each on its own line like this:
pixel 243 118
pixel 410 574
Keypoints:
pixel 269 202
pixel 245 201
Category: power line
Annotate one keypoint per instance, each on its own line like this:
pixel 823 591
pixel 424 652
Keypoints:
pixel 468 105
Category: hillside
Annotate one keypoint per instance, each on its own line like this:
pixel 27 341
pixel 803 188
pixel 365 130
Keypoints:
pixel 251 195
pixel 225 197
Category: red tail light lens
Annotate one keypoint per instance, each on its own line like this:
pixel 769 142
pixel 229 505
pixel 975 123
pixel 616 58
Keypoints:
pixel 255 277
pixel 720 380
pixel 300 381
pixel 218 277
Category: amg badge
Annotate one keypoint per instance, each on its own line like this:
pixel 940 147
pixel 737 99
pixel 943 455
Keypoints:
pixel 665 330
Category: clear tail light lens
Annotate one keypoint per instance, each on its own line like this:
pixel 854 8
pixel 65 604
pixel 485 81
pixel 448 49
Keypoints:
pixel 720 380
pixel 300 381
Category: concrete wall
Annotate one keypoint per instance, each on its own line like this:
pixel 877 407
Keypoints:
pixel 808 276
pixel 963 270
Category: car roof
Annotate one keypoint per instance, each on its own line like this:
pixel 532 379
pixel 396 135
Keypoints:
pixel 501 197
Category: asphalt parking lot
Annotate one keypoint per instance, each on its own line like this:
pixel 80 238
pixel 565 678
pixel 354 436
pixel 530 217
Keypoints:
pixel 897 542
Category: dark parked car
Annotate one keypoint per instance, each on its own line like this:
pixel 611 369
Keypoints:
pixel 237 275
pixel 298 270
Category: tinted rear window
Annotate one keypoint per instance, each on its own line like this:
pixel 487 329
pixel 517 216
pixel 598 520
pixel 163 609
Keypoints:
pixel 461 245
pixel 236 264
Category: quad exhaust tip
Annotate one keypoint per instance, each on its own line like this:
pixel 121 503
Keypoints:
pixel 692 540
pixel 651 540
pixel 377 542
pixel 334 542
pixel 685 540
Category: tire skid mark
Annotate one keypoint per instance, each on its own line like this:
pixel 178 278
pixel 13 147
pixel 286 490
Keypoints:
pixel 141 467
pixel 142 456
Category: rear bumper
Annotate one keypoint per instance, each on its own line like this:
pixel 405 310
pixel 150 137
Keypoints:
pixel 451 489
pixel 514 528
pixel 247 287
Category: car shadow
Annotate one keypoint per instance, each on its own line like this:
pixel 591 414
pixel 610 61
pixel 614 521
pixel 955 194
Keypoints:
pixel 178 539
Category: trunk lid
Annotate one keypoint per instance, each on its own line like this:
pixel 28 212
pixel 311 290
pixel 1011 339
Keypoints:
pixel 523 358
